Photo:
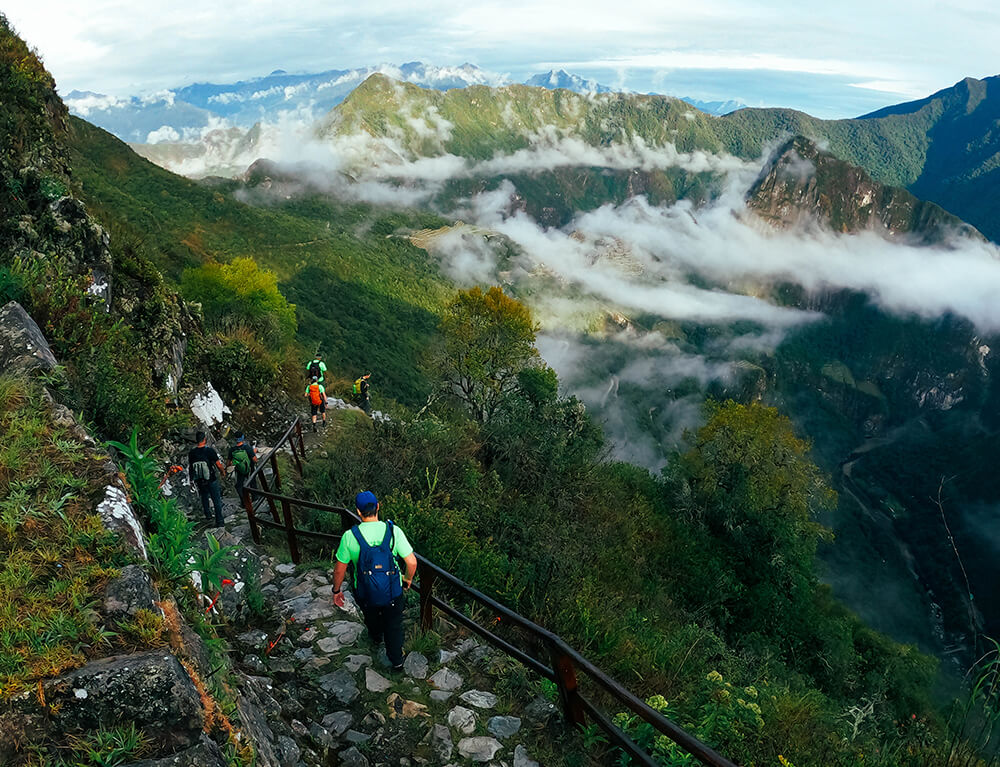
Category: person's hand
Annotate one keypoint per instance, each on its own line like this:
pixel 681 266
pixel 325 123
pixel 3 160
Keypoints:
pixel 408 584
pixel 338 598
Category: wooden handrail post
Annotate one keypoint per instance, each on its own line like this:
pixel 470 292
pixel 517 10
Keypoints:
pixel 295 455
pixel 298 433
pixel 262 478
pixel 274 468
pixel 293 544
pixel 426 596
pixel 569 694
pixel 248 505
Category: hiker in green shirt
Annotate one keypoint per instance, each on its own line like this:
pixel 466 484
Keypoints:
pixel 379 591
pixel 316 368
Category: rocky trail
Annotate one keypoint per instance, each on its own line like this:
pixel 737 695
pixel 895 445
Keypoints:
pixel 316 691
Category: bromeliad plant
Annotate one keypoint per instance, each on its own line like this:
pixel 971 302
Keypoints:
pixel 140 469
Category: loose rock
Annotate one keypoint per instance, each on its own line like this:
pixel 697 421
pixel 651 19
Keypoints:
pixel 462 719
pixel 479 698
pixel 375 682
pixel 416 665
pixel 479 749
pixel 338 722
pixel 503 726
pixel 341 685
pixel 443 745
pixel 445 679
pixel 355 662
pixel 521 758
pixel 351 757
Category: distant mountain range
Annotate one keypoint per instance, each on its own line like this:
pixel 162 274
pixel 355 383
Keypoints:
pixel 185 114
pixel 945 148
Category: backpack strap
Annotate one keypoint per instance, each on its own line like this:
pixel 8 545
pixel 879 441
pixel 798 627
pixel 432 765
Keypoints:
pixel 361 539
pixel 389 537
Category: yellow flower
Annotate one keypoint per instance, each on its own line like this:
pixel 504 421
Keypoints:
pixel 714 676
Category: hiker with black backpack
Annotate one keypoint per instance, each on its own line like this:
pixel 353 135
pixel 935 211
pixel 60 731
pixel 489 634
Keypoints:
pixel 316 395
pixel 316 368
pixel 373 547
pixel 204 467
pixel 242 457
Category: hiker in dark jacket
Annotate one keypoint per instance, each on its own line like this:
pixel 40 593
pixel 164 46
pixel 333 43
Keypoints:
pixel 243 458
pixel 204 467
pixel 361 391
pixel 381 599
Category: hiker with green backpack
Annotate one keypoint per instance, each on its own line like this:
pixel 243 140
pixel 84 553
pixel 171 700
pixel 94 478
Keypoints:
pixel 360 390
pixel 242 457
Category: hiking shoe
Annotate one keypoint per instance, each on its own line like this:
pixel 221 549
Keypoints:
pixel 396 669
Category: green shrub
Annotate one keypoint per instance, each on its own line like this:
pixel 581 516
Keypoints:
pixel 11 286
pixel 241 295
pixel 238 366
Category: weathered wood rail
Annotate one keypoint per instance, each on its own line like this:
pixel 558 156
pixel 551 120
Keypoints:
pixel 546 654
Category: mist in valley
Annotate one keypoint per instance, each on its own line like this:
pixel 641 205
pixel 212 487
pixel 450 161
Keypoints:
pixel 645 309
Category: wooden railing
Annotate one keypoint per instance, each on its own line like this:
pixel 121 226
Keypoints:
pixel 553 659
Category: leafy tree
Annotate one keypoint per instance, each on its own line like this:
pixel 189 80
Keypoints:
pixel 748 483
pixel 488 339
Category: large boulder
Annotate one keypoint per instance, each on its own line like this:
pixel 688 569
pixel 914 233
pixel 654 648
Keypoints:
pixel 151 689
pixel 23 348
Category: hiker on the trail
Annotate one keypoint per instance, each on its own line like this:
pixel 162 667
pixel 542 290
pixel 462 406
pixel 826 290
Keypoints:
pixel 361 393
pixel 204 467
pixel 316 368
pixel 243 457
pixel 373 548
pixel 317 400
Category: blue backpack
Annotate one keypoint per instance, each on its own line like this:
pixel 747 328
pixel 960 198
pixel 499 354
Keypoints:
pixel 378 573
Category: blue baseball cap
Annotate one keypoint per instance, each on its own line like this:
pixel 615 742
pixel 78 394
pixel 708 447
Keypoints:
pixel 366 501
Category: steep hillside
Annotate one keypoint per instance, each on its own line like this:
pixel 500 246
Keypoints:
pixel 365 300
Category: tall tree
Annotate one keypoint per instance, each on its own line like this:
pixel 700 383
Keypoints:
pixel 487 339
pixel 748 482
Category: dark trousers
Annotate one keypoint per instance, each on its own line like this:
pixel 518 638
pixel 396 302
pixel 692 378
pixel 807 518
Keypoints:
pixel 386 624
pixel 240 484
pixel 210 490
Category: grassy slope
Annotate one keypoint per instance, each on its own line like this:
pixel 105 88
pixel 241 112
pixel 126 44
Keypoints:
pixel 943 148
pixel 55 554
pixel 369 302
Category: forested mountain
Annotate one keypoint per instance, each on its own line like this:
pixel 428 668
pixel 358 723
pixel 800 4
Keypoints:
pixel 621 350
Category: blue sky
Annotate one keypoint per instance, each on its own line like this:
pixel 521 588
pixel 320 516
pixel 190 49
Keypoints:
pixel 831 59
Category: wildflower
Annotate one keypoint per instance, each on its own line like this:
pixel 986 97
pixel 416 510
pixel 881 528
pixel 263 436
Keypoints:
pixel 714 676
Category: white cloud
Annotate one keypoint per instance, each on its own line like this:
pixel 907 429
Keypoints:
pixel 120 47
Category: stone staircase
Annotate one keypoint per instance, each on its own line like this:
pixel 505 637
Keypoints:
pixel 324 695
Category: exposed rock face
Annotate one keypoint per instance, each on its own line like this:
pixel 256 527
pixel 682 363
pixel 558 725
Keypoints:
pixel 151 689
pixel 205 754
pixel 119 516
pixel 803 184
pixel 128 593
pixel 23 348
